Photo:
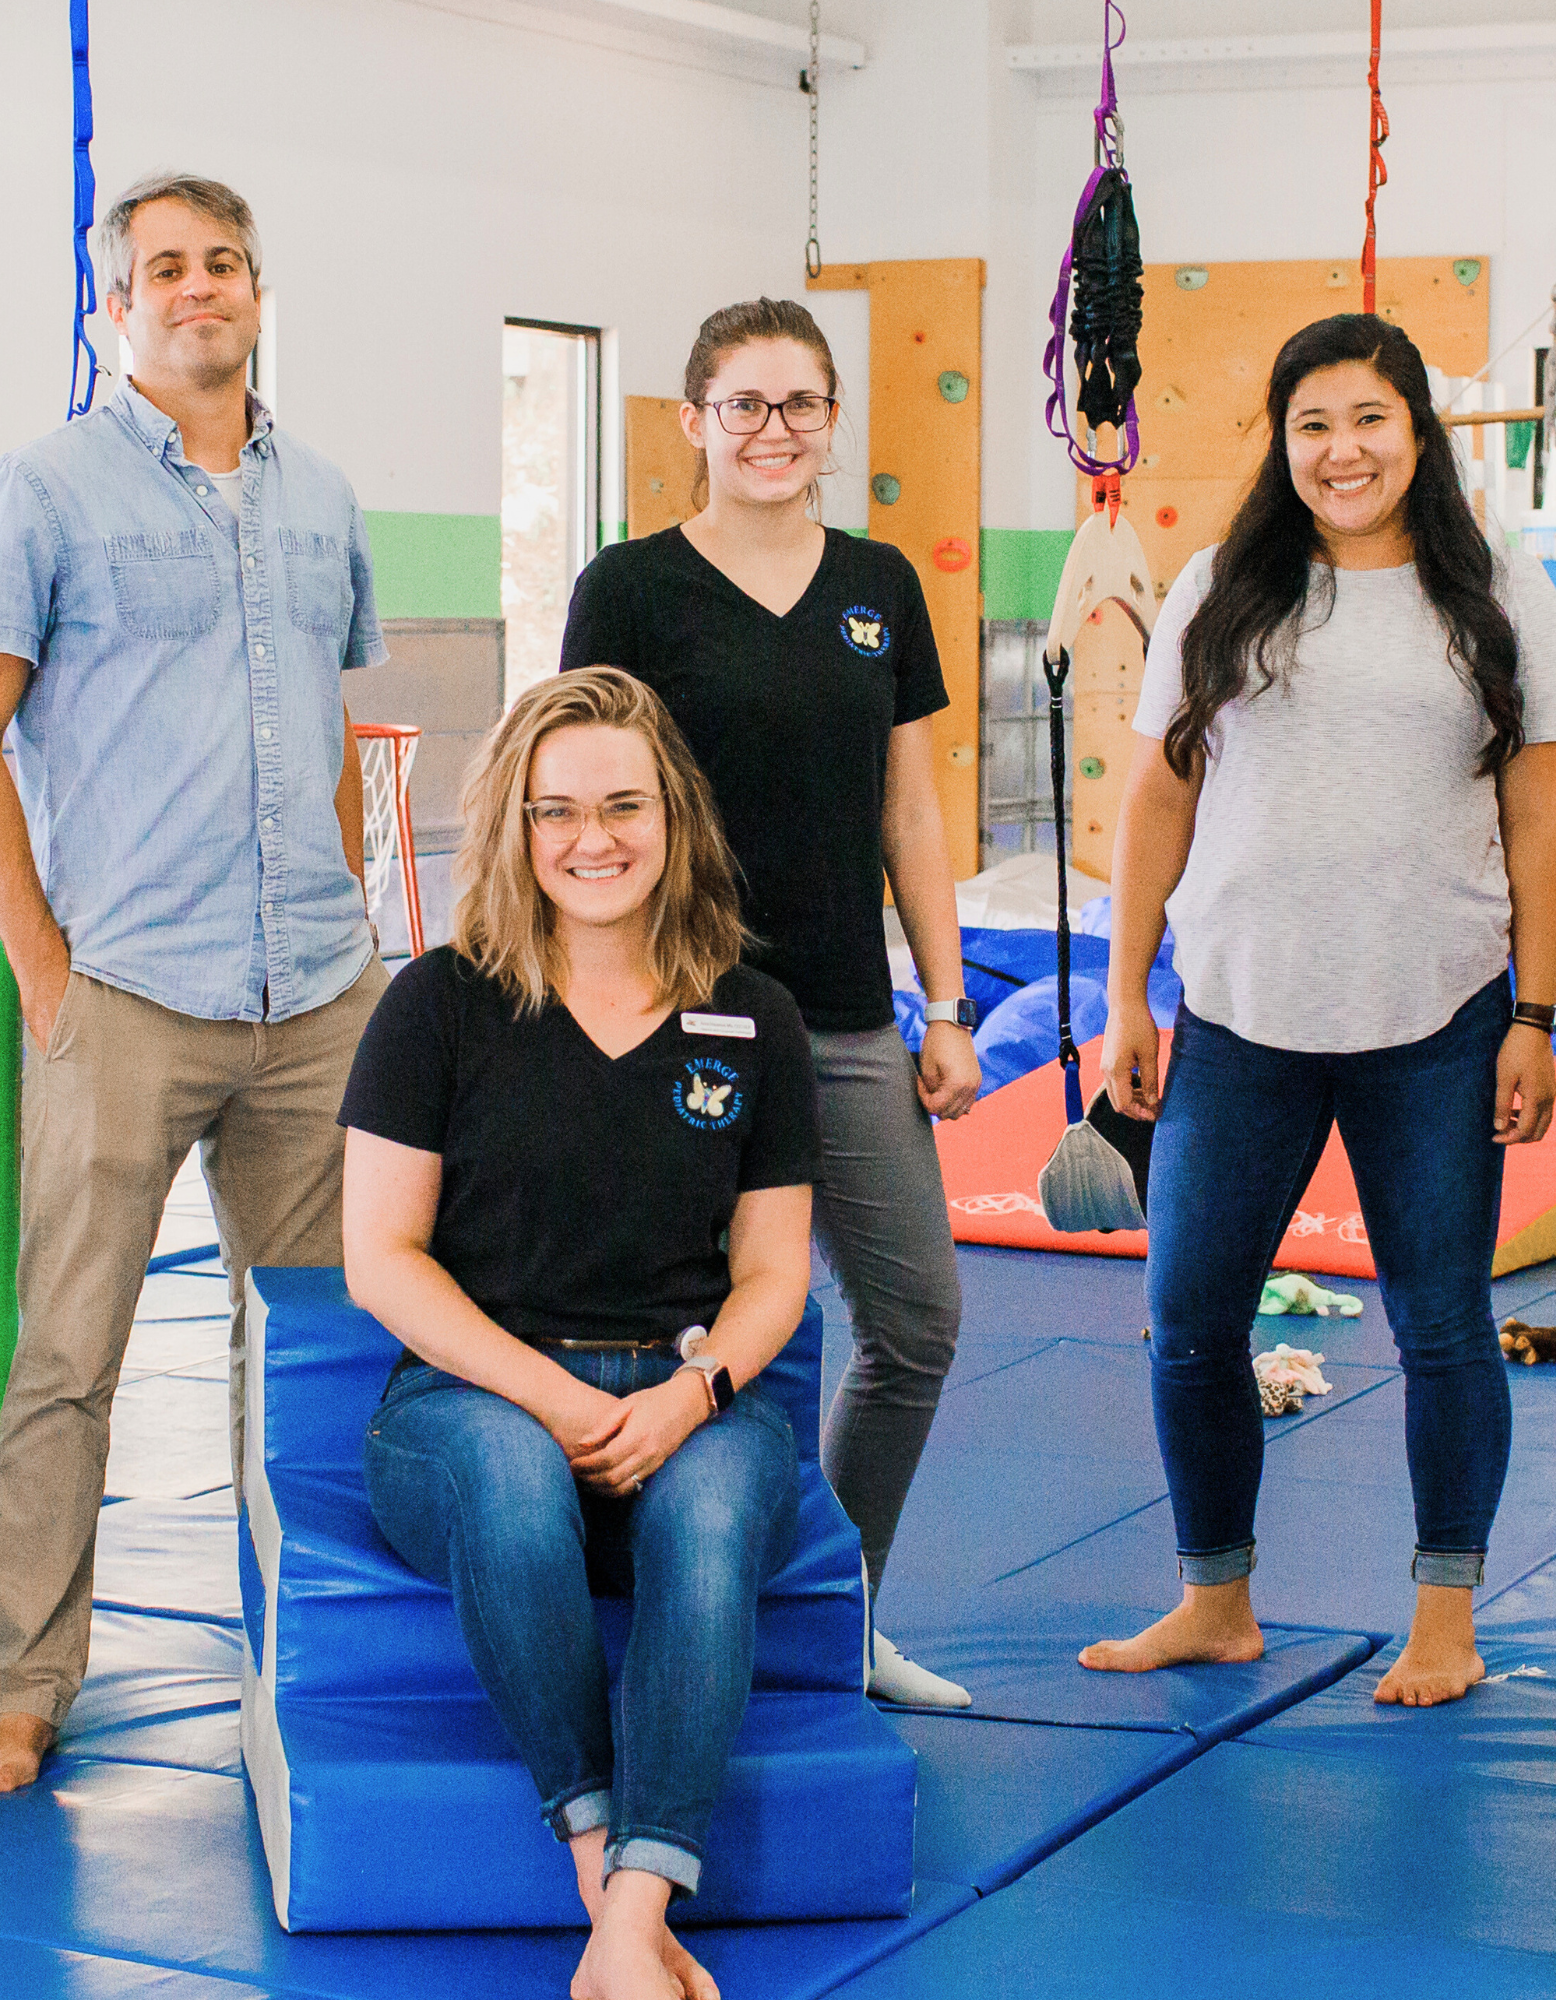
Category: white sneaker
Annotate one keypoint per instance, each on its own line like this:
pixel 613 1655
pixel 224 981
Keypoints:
pixel 894 1678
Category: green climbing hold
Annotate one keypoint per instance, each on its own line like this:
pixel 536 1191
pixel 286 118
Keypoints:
pixel 1191 277
pixel 1466 269
pixel 888 491
pixel 1091 767
pixel 953 385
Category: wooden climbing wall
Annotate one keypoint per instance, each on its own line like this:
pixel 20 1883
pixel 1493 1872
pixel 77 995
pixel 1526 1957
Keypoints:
pixel 660 465
pixel 1210 336
pixel 926 370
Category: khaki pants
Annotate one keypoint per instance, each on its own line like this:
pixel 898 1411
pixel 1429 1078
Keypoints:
pixel 109 1112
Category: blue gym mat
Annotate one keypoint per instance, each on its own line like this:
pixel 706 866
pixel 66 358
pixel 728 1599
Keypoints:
pixel 1109 1816
pixel 159 1691
pixel 178 1558
pixel 1338 1848
pixel 42 1972
pixel 136 1862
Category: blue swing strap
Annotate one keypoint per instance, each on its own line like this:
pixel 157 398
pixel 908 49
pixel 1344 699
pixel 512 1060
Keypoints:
pixel 1056 673
pixel 86 200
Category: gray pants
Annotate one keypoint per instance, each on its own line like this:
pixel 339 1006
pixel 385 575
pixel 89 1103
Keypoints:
pixel 880 1220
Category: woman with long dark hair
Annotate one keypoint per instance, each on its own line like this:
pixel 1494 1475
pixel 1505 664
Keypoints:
pixel 801 665
pixel 1344 799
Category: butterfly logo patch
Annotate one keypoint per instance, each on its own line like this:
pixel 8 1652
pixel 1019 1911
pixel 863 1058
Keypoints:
pixel 865 631
pixel 707 1095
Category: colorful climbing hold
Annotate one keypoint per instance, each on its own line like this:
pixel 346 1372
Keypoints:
pixel 887 490
pixel 1466 269
pixel 952 554
pixel 953 385
pixel 1091 767
pixel 1166 517
pixel 1191 277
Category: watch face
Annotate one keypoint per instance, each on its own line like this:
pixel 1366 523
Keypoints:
pixel 723 1389
pixel 967 1013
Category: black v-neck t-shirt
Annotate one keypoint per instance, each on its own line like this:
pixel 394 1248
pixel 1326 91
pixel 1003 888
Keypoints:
pixel 790 719
pixel 586 1197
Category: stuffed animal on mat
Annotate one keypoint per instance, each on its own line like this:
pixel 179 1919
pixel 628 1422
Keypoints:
pixel 1527 1344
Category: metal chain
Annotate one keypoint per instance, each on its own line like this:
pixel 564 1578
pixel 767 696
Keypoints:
pixel 813 89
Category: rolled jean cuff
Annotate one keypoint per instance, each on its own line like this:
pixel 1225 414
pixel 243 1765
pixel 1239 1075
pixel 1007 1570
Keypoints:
pixel 582 1813
pixel 1455 1569
pixel 678 1865
pixel 1218 1565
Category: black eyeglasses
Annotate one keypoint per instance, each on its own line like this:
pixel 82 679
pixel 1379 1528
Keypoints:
pixel 744 416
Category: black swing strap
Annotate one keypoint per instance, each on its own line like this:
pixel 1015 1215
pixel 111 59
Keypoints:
pixel 1056 673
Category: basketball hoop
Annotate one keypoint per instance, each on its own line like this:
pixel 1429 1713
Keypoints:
pixel 388 752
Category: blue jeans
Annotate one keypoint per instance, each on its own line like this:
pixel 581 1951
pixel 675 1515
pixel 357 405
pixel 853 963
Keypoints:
pixel 474 1493
pixel 1240 1132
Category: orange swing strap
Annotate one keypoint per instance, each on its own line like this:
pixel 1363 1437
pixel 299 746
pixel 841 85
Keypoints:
pixel 1377 173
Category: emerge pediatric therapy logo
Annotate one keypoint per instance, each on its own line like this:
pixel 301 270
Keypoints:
pixel 707 1096
pixel 866 631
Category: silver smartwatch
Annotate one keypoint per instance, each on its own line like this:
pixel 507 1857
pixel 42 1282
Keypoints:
pixel 962 1013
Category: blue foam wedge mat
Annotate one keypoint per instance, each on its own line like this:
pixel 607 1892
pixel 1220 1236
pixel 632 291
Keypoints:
pixel 995 1797
pixel 159 1691
pixel 388 1795
pixel 43 1972
pixel 178 1558
pixel 123 1860
pixel 168 1439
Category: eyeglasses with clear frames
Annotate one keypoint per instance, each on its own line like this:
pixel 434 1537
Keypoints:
pixel 564 819
pixel 744 416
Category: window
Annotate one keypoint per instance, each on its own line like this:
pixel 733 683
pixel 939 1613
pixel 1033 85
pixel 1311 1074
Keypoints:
pixel 550 486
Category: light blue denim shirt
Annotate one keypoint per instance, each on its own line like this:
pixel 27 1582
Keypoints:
pixel 178 748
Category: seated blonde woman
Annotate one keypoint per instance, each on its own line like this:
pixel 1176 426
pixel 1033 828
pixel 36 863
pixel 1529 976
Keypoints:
pixel 576 1132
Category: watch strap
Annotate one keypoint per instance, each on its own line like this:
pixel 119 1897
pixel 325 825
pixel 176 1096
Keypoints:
pixel 963 1012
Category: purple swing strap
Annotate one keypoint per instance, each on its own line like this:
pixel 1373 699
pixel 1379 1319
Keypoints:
pixel 1105 120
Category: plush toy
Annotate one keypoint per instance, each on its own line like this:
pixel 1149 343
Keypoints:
pixel 1527 1344
pixel 1291 1292
pixel 1285 1376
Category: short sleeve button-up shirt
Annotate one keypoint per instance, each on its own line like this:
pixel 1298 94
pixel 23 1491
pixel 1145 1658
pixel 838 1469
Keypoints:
pixel 178 747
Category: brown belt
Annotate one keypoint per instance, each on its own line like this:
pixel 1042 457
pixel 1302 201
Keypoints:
pixel 602 1346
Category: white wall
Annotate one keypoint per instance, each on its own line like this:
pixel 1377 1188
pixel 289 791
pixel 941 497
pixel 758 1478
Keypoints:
pixel 416 175
pixel 1282 173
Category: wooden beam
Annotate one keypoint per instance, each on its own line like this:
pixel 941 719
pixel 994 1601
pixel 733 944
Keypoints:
pixel 840 278
pixel 1491 417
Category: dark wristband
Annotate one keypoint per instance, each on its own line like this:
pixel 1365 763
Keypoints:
pixel 1532 1015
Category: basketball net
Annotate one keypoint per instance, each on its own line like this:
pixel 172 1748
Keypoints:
pixel 388 752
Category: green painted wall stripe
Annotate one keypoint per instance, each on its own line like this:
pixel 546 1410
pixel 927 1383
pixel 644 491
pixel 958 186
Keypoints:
pixel 1020 570
pixel 437 565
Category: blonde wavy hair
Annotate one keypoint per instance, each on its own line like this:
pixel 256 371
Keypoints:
pixel 504 923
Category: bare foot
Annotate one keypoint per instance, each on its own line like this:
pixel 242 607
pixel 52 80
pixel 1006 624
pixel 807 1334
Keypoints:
pixel 695 1980
pixel 1439 1662
pixel 628 1949
pixel 25 1740
pixel 1213 1624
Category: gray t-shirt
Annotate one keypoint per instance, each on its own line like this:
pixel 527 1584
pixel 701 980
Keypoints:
pixel 1345 888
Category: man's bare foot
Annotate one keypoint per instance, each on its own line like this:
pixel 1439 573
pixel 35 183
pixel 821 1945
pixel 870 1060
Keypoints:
pixel 1439 1662
pixel 1213 1624
pixel 25 1740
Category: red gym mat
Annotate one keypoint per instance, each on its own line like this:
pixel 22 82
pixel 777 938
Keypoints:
pixel 990 1161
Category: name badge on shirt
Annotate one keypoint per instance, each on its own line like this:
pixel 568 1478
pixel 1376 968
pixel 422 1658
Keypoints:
pixel 740 1025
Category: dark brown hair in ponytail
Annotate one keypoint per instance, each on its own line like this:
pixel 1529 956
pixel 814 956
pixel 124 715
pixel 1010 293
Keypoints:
pixel 722 332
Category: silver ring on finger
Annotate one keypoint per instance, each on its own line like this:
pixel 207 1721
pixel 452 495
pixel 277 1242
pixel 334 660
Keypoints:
pixel 637 1484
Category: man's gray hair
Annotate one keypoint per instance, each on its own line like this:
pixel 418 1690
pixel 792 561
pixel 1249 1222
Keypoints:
pixel 116 245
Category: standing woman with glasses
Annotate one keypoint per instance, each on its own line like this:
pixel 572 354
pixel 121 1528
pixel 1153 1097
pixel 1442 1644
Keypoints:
pixel 800 664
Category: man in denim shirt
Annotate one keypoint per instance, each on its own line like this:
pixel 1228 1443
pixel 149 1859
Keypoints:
pixel 181 586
